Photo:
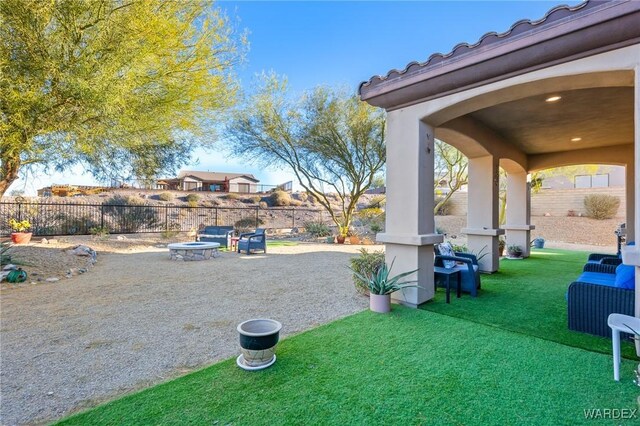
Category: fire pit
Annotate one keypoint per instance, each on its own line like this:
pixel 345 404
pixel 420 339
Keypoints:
pixel 193 251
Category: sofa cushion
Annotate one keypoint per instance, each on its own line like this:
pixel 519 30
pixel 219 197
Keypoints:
pixel 625 276
pixel 598 278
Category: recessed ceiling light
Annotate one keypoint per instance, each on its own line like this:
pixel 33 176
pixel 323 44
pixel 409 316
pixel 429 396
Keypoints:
pixel 553 99
pixel 576 139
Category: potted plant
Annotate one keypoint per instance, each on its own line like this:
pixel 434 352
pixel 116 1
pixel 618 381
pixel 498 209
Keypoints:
pixel 258 340
pixel 501 245
pixel 354 238
pixel 380 285
pixel 514 251
pixel 19 234
pixel 538 243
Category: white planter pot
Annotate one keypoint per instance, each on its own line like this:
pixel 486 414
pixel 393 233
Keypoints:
pixel 380 303
pixel 258 340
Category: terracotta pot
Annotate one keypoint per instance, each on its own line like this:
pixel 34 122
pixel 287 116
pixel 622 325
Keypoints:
pixel 380 303
pixel 340 239
pixel 21 237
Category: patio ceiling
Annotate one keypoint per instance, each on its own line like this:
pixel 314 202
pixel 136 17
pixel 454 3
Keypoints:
pixel 599 116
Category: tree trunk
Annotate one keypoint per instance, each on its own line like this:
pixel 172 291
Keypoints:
pixel 8 172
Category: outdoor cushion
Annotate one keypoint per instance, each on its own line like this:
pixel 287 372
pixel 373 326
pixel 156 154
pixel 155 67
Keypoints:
pixel 625 276
pixel 445 249
pixel 597 278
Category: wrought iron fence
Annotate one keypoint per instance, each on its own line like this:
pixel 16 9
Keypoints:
pixel 48 218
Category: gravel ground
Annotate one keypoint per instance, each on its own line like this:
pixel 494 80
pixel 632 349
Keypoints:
pixel 137 318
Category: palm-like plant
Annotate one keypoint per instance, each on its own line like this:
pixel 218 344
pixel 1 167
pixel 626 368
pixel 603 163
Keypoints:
pixel 380 282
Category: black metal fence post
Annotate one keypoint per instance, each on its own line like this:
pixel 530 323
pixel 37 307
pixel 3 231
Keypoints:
pixel 257 217
pixel 293 218
pixel 102 216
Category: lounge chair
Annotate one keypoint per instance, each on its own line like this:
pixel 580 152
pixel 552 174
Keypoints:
pixel 599 291
pixel 466 263
pixel 253 241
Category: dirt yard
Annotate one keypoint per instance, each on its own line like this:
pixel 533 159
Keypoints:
pixel 137 318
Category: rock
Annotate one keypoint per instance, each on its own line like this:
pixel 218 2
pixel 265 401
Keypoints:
pixel 52 279
pixel 547 215
pixel 9 267
pixel 82 250
pixel 53 241
pixel 44 241
pixel 82 270
pixel 121 238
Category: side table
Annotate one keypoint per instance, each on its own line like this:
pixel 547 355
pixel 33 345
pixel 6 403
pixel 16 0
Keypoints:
pixel 441 272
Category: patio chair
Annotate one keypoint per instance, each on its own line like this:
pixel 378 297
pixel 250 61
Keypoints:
pixel 599 291
pixel 466 263
pixel 216 234
pixel 253 241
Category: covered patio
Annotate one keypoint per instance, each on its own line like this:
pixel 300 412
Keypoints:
pixel 559 91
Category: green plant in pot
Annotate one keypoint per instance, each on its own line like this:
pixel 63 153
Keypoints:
pixel 381 284
pixel 514 251
pixel 501 245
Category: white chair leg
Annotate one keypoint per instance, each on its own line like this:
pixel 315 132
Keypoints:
pixel 615 339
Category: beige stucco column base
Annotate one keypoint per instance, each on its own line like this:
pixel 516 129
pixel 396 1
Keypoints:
pixel 520 235
pixel 408 252
pixel 482 241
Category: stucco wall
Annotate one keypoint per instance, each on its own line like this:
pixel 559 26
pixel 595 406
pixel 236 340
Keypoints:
pixel 556 202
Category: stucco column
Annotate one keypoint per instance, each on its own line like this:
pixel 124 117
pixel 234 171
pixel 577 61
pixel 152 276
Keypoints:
pixel 482 211
pixel 631 254
pixel 518 212
pixel 409 235
pixel 629 188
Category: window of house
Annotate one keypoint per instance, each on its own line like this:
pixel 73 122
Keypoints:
pixel 600 181
pixel 582 181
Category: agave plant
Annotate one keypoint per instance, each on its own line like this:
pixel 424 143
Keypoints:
pixel 380 282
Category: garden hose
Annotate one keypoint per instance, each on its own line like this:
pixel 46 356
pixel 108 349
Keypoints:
pixel 17 276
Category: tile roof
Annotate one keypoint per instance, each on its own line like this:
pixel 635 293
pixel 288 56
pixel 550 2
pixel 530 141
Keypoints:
pixel 520 27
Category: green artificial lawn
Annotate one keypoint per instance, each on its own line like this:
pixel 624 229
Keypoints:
pixel 408 367
pixel 281 243
pixel 528 296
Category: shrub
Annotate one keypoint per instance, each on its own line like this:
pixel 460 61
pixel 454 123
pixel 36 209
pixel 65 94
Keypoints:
pixel 601 206
pixel 192 203
pixel 302 196
pixel 377 201
pixel 376 227
pixel 172 230
pixel 317 229
pixel 263 205
pixel 247 224
pixel 233 196
pixel 193 197
pixel 296 203
pixel 280 198
pixel 366 264
pixel 165 196
pixel 130 214
pixel 99 232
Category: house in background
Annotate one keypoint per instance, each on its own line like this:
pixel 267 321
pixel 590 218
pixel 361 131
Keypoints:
pixel 189 180
pixel 584 177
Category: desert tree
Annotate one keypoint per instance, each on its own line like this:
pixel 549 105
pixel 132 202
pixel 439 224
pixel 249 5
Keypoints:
pixel 451 167
pixel 330 140
pixel 125 88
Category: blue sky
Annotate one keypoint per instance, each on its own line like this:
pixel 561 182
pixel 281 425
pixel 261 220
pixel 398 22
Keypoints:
pixel 340 44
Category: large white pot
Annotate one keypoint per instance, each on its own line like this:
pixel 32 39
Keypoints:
pixel 380 303
pixel 258 340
